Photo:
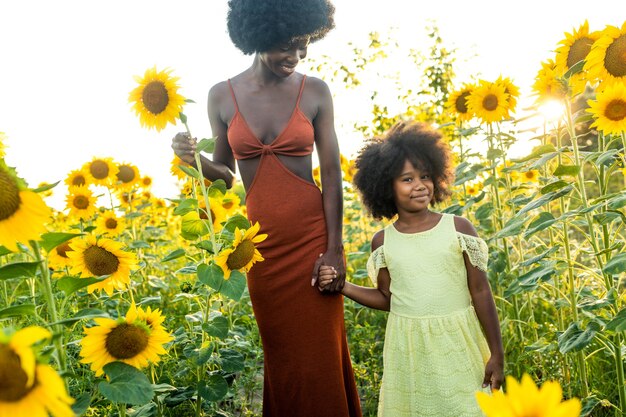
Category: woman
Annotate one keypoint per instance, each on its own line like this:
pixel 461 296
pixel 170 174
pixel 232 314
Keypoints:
pixel 268 118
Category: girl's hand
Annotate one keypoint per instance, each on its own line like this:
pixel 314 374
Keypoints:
pixel 337 261
pixel 184 147
pixel 325 276
pixel 494 373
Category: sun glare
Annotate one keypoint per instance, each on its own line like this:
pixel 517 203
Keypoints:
pixel 552 110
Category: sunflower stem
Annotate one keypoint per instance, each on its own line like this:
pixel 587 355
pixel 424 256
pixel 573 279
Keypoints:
pixel 51 302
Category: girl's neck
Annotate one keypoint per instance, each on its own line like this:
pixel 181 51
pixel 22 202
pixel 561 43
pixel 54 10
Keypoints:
pixel 417 221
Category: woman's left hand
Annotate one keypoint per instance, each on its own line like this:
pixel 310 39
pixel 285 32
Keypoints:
pixel 334 258
pixel 494 373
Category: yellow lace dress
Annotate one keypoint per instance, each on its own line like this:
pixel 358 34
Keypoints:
pixel 435 352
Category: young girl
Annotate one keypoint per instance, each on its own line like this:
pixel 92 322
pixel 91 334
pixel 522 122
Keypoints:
pixel 429 269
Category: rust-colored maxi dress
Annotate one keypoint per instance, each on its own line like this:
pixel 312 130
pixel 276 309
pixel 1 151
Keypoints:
pixel 308 372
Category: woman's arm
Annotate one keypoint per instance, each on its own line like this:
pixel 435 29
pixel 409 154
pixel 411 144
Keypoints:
pixel 332 191
pixel 483 301
pixel 222 165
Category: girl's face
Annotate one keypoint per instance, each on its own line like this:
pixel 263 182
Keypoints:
pixel 283 59
pixel 413 189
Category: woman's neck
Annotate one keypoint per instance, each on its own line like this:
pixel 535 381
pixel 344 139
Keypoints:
pixel 261 74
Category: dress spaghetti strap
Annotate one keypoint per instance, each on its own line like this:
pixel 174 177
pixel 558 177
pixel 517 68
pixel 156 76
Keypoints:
pixel 232 93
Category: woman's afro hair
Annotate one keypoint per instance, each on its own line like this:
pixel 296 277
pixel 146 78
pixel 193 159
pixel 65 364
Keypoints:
pixel 260 25
pixel 382 159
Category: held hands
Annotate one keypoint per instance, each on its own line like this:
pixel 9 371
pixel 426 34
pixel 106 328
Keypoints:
pixel 326 275
pixel 330 260
pixel 184 147
pixel 494 373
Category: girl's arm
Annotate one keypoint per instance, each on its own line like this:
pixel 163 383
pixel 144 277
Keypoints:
pixel 485 307
pixel 222 165
pixel 332 191
pixel 379 297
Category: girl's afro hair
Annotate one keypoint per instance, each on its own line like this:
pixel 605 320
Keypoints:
pixel 381 160
pixel 260 25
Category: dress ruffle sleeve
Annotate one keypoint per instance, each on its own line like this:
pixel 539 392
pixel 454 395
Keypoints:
pixel 375 262
pixel 476 250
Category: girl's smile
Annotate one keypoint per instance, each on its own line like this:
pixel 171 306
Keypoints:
pixel 413 189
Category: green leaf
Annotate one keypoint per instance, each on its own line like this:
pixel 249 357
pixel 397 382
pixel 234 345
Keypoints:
pixel 617 202
pixel 553 186
pixel 69 285
pixel 616 265
pixel 570 170
pixel 231 360
pixel 607 158
pixel 545 199
pixel 4 251
pixel 50 241
pixel 45 187
pixel 175 254
pixel 84 314
pixel 147 410
pixel 512 228
pixel 81 405
pixel 574 69
pixel 541 162
pixel 493 154
pixel 607 217
pixel 537 152
pixel 218 327
pixel 234 286
pixel 185 206
pixel 21 310
pixel 206 145
pixel 542 221
pixel 541 273
pixel 127 385
pixel 139 244
pixel 218 188
pixel 618 323
pixel 191 171
pixel 213 388
pixel 484 212
pixel 541 256
pixel 237 221
pixel 19 270
pixel 211 275
pixel 182 117
pixel 575 339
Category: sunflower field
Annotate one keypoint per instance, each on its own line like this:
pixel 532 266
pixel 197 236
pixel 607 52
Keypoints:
pixel 129 304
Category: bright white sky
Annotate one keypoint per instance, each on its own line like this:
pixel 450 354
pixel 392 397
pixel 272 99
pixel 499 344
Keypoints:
pixel 67 66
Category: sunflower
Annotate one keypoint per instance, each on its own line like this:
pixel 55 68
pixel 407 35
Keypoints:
pixel 607 59
pixel 230 203
pixel 127 176
pixel 511 90
pixel 317 176
pixel 3 138
pixel 76 178
pixel 504 169
pixel 243 254
pixel 136 339
pixel 101 171
pixel 529 176
pixel 57 257
pixel 525 399
pixel 110 224
pixel 473 189
pixel 489 102
pixel 609 109
pixel 575 48
pixel 27 387
pixel 91 257
pixel 347 168
pixel 156 99
pixel 23 213
pixel 549 84
pixel 457 102
pixel 146 181
pixel 175 168
pixel 81 202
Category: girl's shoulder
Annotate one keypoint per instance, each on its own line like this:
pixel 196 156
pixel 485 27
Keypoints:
pixel 462 225
pixel 378 239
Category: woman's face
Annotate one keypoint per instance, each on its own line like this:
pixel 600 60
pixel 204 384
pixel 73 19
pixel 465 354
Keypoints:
pixel 283 59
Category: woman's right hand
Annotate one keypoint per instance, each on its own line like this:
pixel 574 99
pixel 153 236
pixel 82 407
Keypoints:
pixel 184 147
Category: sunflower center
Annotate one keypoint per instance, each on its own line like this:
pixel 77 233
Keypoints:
pixel 9 196
pixel 490 102
pixel 110 223
pixel 12 377
pixel 615 58
pixel 99 169
pixel 228 204
pixel 78 180
pixel 126 174
pixel 100 261
pixel 81 202
pixel 146 181
pixel 578 51
pixel 461 102
pixel 204 216
pixel 126 341
pixel 155 97
pixel 62 249
pixel 616 110
pixel 241 255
